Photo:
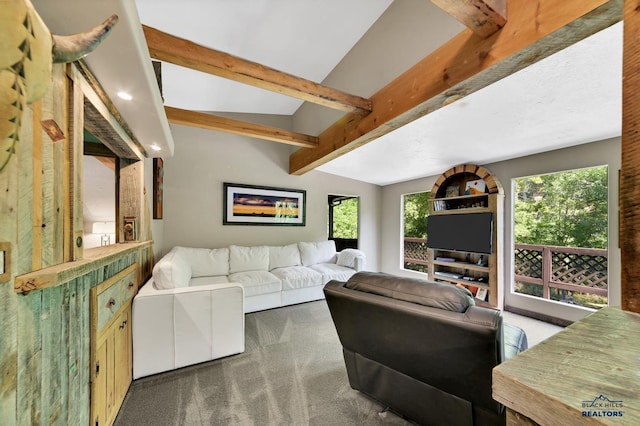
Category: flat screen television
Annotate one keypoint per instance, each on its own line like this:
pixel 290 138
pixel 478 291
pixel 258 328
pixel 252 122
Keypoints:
pixel 472 232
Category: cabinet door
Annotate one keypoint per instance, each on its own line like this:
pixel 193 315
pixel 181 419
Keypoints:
pixel 99 396
pixel 109 376
pixel 123 355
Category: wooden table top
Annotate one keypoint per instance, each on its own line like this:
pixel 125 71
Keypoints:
pixel 589 373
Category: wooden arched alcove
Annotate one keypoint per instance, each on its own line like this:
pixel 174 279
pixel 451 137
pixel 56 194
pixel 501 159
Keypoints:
pixel 460 175
pixel 466 246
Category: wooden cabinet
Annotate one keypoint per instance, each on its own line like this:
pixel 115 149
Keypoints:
pixel 480 272
pixel 111 346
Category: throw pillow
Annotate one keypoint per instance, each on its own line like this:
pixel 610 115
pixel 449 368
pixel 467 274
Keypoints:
pixel 347 257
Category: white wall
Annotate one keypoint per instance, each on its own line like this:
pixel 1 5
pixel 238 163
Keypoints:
pixel 203 160
pixel 607 152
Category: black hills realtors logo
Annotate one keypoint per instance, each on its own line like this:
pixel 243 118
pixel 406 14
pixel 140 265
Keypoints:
pixel 602 406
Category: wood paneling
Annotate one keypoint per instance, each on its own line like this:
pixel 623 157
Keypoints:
pixel 630 172
pixel 44 335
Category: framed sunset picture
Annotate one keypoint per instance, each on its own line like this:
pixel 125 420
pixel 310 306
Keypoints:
pixel 262 205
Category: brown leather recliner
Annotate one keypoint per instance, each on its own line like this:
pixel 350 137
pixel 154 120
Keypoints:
pixel 422 348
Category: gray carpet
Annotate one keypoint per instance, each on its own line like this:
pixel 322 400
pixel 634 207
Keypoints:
pixel 291 373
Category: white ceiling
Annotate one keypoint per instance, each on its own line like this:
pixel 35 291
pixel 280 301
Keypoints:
pixel 570 98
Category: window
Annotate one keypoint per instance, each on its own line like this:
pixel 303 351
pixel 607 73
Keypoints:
pixel 415 212
pixel 560 235
pixel 343 221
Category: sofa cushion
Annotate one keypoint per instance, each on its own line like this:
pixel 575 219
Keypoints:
pixel 206 262
pixel 256 282
pixel 172 271
pixel 243 259
pixel 218 279
pixel 331 271
pixel 294 277
pixel 428 293
pixel 320 252
pixel 280 257
pixel 347 257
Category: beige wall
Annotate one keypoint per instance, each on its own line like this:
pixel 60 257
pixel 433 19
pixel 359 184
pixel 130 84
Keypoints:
pixel 418 26
pixel 203 160
pixel 607 152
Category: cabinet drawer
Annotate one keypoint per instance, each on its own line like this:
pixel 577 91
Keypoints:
pixel 129 286
pixel 109 302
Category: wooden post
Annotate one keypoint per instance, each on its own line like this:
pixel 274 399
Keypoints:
pixel 630 174
pixel 547 262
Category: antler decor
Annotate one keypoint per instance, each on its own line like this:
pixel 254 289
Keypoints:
pixel 27 52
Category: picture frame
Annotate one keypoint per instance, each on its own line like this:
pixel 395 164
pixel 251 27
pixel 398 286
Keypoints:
pixel 263 205
pixel 475 187
pixel 482 294
pixel 158 178
pixel 452 191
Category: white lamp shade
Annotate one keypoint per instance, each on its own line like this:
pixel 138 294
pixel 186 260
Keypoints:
pixel 104 228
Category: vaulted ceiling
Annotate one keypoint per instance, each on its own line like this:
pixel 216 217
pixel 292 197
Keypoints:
pixel 279 56
pixel 495 45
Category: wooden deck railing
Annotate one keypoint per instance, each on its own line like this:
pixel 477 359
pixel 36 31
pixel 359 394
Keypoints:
pixel 415 251
pixel 566 268
pixel 576 269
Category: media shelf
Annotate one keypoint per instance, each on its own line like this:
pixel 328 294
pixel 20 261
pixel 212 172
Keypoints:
pixel 459 203
pixel 478 272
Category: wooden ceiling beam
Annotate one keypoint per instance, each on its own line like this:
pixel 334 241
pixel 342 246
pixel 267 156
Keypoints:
pixel 483 17
pixel 185 53
pixel 228 125
pixel 464 65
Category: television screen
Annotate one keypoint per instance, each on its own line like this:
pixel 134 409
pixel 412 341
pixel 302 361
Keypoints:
pixel 471 232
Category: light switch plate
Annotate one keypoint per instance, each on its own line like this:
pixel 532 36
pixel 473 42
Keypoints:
pixel 5 261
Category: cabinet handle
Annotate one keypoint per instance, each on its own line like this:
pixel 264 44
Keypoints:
pixel 130 285
pixel 111 302
pixel 123 324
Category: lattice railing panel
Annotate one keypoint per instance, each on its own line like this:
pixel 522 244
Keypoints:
pixel 581 269
pixel 415 251
pixel 584 267
pixel 528 262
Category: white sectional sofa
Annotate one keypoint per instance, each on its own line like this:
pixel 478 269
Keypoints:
pixel 192 309
pixel 184 326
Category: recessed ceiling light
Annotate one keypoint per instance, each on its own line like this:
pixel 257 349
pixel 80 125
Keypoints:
pixel 125 96
pixel 156 147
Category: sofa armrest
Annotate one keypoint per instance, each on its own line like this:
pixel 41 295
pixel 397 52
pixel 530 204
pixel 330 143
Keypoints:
pixel 173 328
pixel 358 264
pixel 351 258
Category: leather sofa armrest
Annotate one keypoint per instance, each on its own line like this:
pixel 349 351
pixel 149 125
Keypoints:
pixel 483 316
